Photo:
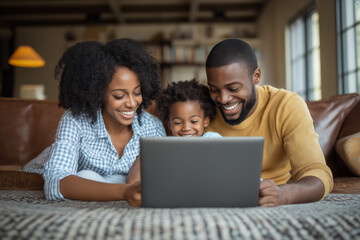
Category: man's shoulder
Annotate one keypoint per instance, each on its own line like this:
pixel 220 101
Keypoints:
pixel 283 104
pixel 273 92
pixel 270 95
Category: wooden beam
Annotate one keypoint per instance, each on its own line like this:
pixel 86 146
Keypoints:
pixel 116 9
pixel 193 10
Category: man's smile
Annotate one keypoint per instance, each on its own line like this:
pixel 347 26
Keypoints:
pixel 230 109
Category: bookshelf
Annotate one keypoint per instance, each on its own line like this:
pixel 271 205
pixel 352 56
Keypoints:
pixel 184 59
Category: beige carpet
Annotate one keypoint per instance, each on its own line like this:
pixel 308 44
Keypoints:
pixel 27 215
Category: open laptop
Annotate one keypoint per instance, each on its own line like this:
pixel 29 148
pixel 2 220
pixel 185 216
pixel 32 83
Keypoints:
pixel 179 172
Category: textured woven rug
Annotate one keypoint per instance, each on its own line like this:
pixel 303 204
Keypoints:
pixel 27 215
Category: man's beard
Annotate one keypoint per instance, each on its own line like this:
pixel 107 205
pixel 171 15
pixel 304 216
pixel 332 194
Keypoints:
pixel 245 110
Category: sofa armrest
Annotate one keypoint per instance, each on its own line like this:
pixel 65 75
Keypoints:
pixel 11 180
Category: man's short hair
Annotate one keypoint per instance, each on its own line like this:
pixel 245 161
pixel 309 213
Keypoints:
pixel 231 51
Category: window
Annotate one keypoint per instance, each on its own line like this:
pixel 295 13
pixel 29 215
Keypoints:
pixel 305 56
pixel 348 36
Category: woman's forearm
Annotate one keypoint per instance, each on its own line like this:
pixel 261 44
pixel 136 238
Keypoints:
pixel 134 174
pixel 77 188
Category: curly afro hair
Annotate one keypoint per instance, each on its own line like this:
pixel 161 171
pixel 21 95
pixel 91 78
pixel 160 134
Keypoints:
pixel 86 69
pixel 185 91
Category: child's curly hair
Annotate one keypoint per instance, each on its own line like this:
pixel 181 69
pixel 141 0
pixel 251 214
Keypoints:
pixel 185 91
pixel 86 70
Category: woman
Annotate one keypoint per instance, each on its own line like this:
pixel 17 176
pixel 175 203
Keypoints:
pixel 104 88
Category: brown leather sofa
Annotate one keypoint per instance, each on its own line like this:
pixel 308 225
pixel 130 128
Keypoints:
pixel 27 127
pixel 335 118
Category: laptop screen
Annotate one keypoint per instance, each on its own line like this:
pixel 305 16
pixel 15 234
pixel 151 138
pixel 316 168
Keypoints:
pixel 201 172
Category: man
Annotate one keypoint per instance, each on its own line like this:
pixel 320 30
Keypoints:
pixel 294 168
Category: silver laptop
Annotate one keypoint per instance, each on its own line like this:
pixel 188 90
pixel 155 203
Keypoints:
pixel 179 172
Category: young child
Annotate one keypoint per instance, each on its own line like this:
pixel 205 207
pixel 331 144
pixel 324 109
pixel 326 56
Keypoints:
pixel 187 109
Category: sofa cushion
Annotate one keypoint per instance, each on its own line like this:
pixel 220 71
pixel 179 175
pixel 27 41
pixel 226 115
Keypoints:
pixel 328 116
pixel 348 148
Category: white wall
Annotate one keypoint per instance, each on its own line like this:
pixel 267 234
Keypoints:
pixel 272 30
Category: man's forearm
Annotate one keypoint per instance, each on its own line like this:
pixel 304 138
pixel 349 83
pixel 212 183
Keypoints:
pixel 307 189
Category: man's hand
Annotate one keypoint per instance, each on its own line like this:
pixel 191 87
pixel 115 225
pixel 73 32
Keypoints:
pixel 270 194
pixel 307 189
pixel 133 194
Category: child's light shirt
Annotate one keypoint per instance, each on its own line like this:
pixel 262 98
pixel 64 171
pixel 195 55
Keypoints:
pixel 211 134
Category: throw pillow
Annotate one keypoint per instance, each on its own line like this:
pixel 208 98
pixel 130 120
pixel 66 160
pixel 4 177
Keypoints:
pixel 348 148
pixel 36 165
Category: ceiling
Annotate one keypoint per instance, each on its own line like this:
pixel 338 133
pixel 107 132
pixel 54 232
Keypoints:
pixel 15 13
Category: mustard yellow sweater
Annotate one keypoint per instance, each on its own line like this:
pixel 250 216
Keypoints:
pixel 291 145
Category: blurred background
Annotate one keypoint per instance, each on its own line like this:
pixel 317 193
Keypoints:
pixel 307 46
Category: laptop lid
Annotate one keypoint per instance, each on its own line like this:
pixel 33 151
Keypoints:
pixel 200 172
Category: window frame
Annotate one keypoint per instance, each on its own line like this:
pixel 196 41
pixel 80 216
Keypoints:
pixel 309 92
pixel 342 51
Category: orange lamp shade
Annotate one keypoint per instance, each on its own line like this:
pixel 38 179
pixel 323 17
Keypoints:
pixel 26 56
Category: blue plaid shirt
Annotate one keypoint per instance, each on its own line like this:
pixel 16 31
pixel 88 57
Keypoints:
pixel 80 145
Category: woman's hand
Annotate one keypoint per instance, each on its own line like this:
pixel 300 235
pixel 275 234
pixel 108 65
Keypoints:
pixel 133 194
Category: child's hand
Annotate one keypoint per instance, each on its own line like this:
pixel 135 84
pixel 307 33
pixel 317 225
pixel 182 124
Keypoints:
pixel 133 194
